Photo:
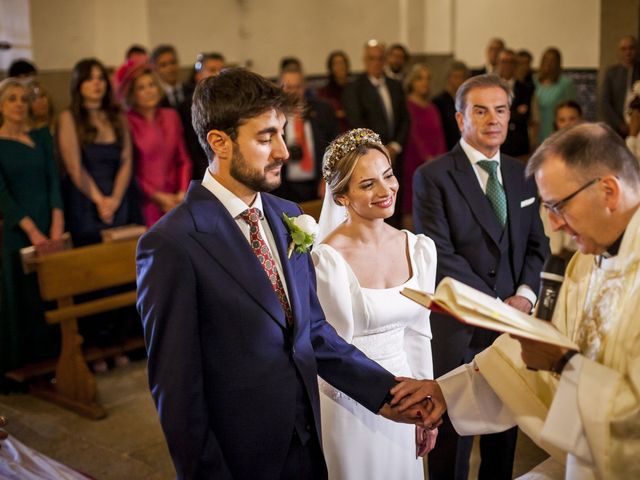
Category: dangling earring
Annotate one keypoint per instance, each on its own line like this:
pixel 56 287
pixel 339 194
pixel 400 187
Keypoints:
pixel 345 205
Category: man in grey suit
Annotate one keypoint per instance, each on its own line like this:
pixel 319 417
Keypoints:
pixel 483 216
pixel 617 85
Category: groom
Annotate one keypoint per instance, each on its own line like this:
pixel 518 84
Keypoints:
pixel 234 331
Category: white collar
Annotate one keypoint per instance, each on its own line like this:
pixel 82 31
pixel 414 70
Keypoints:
pixel 234 205
pixel 474 155
pixel 377 82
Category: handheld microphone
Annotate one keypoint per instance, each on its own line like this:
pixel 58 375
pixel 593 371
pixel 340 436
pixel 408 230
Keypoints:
pixel 551 278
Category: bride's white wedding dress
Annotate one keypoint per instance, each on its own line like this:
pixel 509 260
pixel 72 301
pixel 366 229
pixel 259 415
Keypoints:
pixel 395 332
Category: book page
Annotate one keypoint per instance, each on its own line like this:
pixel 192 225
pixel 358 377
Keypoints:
pixel 481 310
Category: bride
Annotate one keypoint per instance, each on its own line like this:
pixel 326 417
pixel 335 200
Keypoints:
pixel 362 263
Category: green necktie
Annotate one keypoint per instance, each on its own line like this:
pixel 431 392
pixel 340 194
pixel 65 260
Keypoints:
pixel 495 191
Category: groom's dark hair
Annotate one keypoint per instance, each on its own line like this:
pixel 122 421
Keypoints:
pixel 226 101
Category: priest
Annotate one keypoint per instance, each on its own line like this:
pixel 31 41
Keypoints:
pixel 582 407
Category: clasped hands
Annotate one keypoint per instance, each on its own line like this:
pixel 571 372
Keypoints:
pixel 416 401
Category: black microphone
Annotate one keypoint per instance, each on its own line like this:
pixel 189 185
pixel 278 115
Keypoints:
pixel 551 278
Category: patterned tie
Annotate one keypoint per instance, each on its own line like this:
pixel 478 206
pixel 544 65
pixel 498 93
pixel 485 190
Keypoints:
pixel 495 190
pixel 260 248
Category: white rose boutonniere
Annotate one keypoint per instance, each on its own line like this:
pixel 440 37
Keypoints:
pixel 303 230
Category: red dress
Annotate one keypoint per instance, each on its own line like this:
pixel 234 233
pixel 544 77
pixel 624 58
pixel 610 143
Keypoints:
pixel 161 159
pixel 426 141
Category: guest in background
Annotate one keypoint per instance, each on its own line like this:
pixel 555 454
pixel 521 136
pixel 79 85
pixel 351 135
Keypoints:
pixel 397 60
pixel 136 53
pixel 206 65
pixel 374 101
pixel 633 140
pixel 41 111
pixel 162 165
pixel 95 146
pixel 446 105
pixel 524 72
pixel 22 69
pixel 617 86
pixel 494 47
pixel 31 206
pixel 426 138
pixel 165 58
pixel 552 87
pixel 307 135
pixel 483 216
pixel 338 76
pixel 517 142
pixel 568 114
pixel 290 63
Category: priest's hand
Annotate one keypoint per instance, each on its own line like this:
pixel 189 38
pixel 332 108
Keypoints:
pixel 426 393
pixel 540 355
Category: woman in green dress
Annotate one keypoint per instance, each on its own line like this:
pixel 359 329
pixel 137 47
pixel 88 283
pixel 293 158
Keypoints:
pixel 31 206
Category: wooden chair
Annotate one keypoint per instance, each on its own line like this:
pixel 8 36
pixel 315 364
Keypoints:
pixel 62 276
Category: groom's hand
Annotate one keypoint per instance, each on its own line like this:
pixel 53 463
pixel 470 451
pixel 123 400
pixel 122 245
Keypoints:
pixel 426 393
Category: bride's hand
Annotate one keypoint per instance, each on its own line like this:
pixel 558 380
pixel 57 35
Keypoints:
pixel 425 440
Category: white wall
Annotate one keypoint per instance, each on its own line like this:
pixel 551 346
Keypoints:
pixel 571 25
pixel 15 29
pixel 64 31
pixel 261 32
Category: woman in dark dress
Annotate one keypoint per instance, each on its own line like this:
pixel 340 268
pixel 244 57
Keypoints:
pixel 338 76
pixel 31 207
pixel 95 146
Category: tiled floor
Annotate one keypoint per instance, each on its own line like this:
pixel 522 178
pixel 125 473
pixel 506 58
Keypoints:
pixel 128 444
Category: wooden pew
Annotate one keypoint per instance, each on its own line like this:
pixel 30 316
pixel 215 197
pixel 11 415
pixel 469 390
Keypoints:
pixel 312 207
pixel 63 275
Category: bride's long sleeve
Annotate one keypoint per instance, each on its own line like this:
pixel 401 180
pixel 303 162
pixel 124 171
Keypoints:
pixel 334 292
pixel 417 335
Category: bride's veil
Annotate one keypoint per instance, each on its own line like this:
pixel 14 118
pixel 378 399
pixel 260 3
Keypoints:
pixel 331 216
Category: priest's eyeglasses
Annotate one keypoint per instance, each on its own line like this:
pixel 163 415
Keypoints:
pixel 556 208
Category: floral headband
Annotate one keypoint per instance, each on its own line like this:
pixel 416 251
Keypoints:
pixel 345 144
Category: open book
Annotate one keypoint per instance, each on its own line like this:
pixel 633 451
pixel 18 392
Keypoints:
pixel 476 308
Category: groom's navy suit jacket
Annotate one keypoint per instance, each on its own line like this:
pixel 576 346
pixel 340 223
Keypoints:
pixel 223 370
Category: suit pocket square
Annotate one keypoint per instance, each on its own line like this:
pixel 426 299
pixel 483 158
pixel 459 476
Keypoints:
pixel 527 202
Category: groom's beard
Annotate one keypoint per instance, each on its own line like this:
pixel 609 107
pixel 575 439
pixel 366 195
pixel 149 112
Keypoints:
pixel 255 179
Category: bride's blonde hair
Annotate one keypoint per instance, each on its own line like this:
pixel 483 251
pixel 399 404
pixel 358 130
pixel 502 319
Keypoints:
pixel 342 155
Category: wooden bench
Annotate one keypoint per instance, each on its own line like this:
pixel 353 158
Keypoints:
pixel 62 276
pixel 312 207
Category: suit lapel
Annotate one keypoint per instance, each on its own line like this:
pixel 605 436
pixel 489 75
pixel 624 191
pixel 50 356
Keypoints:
pixel 513 186
pixel 373 94
pixel 220 236
pixel 467 182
